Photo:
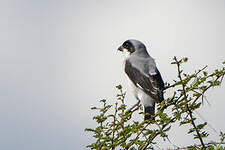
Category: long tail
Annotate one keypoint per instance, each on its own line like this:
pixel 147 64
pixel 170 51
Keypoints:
pixel 149 112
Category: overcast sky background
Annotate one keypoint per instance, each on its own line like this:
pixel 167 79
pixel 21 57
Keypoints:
pixel 58 58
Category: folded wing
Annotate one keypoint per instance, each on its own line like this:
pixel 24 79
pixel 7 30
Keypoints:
pixel 152 85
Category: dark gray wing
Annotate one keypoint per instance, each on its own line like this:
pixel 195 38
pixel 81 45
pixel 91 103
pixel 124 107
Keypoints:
pixel 152 85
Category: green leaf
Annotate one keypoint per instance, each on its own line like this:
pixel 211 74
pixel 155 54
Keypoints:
pixel 204 134
pixel 118 129
pixel 191 130
pixel 177 115
pixel 93 108
pixel 89 130
pixel 216 83
pixel 119 87
pixel 167 129
pixel 103 100
pixel 122 107
pixel 205 73
pixel 192 148
pixel 195 106
pixel 174 63
pixel 200 126
pixel 185 59
pixel 186 121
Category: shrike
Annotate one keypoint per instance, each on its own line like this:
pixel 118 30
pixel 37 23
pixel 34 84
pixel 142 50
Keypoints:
pixel 145 79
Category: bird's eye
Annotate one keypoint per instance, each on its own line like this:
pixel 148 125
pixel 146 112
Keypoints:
pixel 126 45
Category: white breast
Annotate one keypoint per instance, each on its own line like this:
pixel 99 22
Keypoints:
pixel 140 94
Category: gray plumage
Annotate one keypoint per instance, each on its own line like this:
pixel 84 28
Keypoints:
pixel 144 76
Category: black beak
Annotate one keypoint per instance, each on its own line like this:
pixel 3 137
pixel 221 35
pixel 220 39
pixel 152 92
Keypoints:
pixel 120 48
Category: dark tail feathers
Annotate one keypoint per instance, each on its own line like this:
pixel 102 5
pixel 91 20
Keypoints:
pixel 149 111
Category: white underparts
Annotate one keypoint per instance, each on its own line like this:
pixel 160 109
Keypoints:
pixel 139 94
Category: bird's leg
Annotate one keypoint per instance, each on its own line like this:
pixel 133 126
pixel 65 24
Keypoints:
pixel 129 110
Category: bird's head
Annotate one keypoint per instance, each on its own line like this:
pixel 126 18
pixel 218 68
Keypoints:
pixel 133 47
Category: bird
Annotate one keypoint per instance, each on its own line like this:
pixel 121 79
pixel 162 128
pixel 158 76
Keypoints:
pixel 143 76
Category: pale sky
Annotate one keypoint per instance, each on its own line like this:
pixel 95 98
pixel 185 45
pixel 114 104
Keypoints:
pixel 59 58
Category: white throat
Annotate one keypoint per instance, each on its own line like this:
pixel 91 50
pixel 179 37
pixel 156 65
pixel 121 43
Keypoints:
pixel 126 53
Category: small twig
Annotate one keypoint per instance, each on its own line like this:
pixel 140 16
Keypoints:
pixel 175 84
pixel 151 138
pixel 203 92
pixel 148 123
pixel 133 141
pixel 189 111
pixel 161 130
pixel 170 86
pixel 208 124
pixel 113 129
pixel 200 70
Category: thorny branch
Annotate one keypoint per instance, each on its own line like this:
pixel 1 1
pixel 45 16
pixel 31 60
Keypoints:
pixel 121 132
pixel 186 99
